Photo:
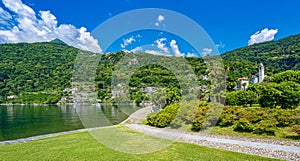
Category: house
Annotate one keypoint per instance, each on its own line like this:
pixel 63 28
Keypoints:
pixel 257 78
pixel 244 83
pixel 12 97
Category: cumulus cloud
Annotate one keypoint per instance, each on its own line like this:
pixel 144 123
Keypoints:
pixel 175 48
pixel 27 26
pixel 127 42
pixel 263 36
pixel 161 45
pixel 5 18
pixel 159 20
pixel 135 50
pixel 206 51
pixel 191 55
pixel 154 52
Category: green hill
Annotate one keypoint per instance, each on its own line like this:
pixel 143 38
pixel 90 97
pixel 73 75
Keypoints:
pixel 37 67
pixel 47 67
pixel 277 56
pixel 58 41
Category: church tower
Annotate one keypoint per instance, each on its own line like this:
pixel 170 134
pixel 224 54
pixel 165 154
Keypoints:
pixel 261 72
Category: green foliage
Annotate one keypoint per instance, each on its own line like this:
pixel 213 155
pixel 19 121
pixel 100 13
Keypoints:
pixel 289 75
pixel 279 122
pixel 39 98
pixel 199 120
pixel 277 56
pixel 241 98
pixel 35 67
pixel 282 89
pixel 163 117
pixel 243 125
pixel 290 94
pixel 269 97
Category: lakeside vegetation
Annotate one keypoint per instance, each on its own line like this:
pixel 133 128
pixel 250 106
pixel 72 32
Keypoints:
pixel 281 123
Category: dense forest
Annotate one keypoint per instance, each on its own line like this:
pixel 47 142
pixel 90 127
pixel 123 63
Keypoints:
pixel 277 56
pixel 41 69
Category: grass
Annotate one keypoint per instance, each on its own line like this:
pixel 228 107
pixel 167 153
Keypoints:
pixel 82 146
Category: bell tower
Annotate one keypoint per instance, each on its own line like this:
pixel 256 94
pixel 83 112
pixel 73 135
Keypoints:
pixel 261 72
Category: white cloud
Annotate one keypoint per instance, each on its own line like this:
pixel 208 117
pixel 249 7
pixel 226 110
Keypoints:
pixel 30 27
pixel 206 51
pixel 155 52
pixel 191 55
pixel 5 18
pixel 220 45
pixel 159 20
pixel 175 48
pixel 161 45
pixel 262 36
pixel 135 50
pixel 127 42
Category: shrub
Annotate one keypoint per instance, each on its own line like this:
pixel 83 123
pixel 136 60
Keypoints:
pixel 163 117
pixel 243 125
pixel 266 126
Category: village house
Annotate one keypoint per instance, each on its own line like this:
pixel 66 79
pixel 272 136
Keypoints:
pixel 257 78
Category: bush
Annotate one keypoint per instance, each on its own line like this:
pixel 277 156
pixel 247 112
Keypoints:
pixel 163 117
pixel 279 122
pixel 243 125
pixel 266 126
pixel 241 98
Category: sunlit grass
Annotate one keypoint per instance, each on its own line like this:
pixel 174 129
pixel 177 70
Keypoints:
pixel 82 146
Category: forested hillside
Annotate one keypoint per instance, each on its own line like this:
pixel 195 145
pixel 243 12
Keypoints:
pixel 47 68
pixel 38 67
pixel 277 56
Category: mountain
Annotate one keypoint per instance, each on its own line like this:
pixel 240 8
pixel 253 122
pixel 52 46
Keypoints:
pixel 35 67
pixel 58 41
pixel 48 67
pixel 277 56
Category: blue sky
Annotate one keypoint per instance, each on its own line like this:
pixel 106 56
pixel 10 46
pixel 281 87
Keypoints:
pixel 229 23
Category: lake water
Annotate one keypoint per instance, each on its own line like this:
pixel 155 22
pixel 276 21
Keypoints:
pixel 26 121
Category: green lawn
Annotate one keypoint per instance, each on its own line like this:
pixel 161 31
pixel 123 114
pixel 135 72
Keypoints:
pixel 82 146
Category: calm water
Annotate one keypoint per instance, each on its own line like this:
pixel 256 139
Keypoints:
pixel 26 121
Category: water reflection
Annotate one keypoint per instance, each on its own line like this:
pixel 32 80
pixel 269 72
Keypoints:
pixel 26 121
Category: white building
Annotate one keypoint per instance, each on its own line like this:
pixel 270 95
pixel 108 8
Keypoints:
pixel 244 83
pixel 258 78
pixel 261 72
pixel 261 75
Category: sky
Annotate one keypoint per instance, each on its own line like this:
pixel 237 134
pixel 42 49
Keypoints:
pixel 230 24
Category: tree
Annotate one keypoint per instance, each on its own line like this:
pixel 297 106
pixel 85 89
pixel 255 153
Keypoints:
pixel 269 97
pixel 241 98
pixel 290 94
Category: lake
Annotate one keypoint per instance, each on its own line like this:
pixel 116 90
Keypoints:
pixel 26 121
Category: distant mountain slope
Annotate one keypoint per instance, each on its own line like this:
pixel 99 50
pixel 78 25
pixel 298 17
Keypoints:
pixel 35 67
pixel 58 41
pixel 277 56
